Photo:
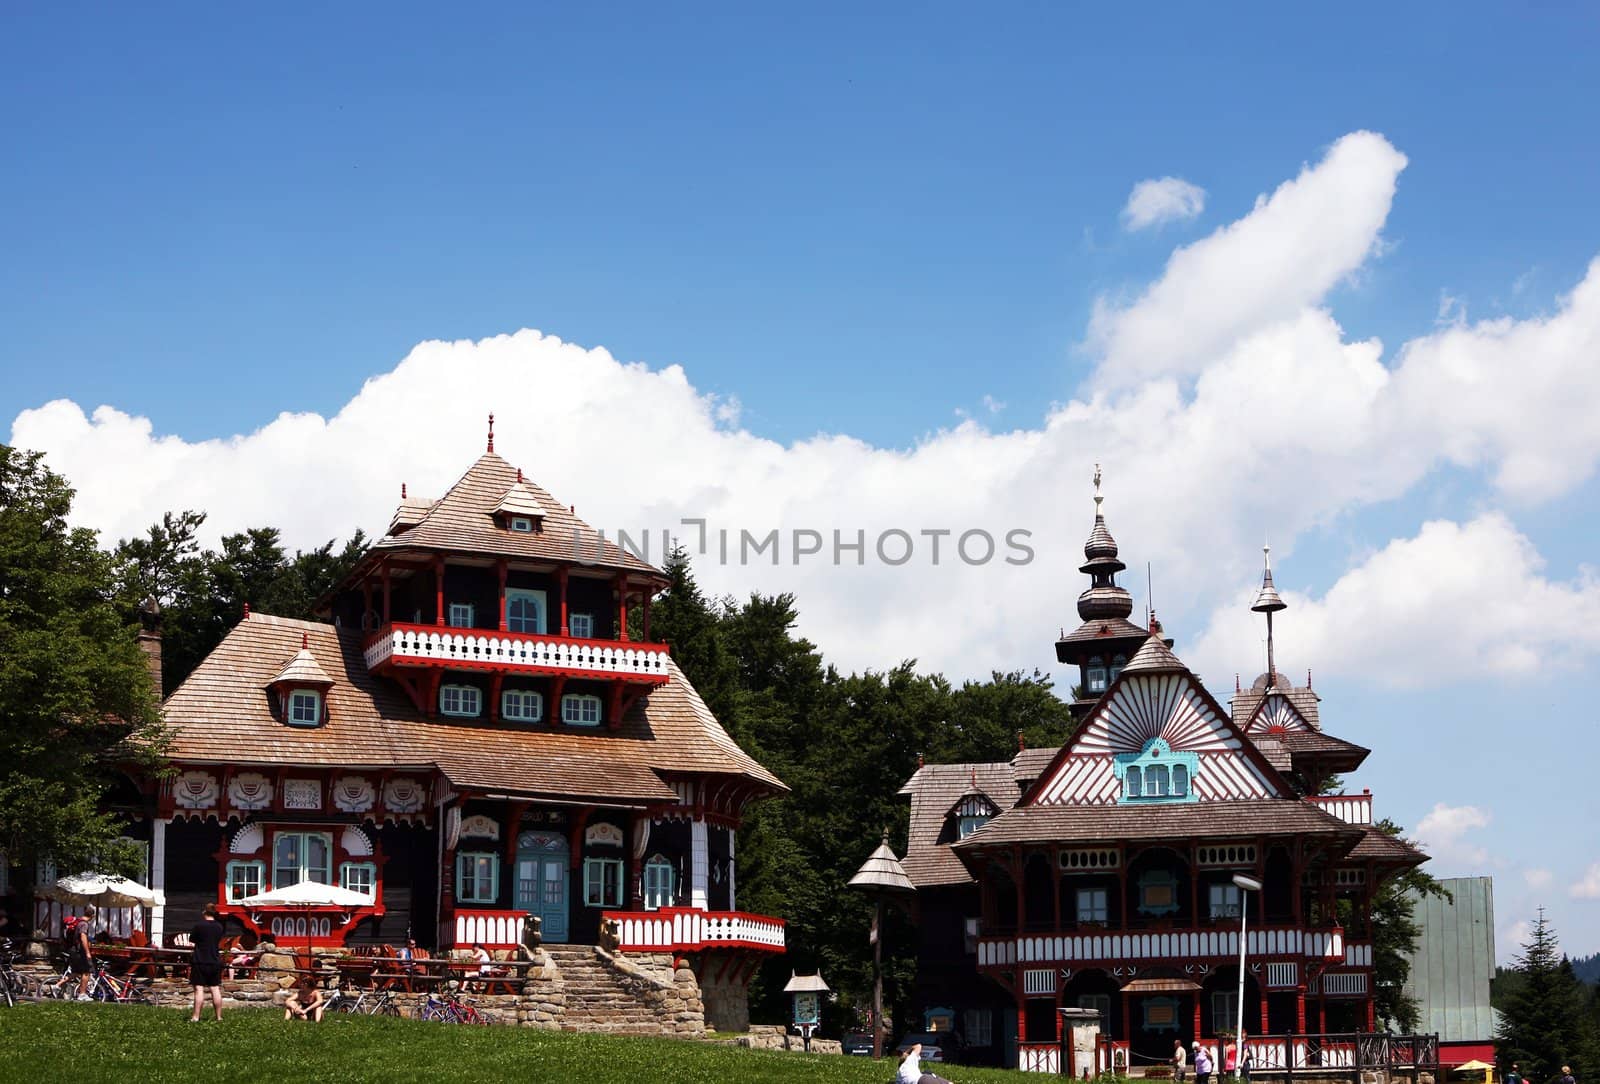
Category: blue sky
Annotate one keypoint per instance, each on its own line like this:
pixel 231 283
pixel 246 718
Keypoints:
pixel 872 226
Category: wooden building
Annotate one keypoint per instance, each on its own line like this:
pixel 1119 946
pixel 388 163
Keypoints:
pixel 1101 874
pixel 475 735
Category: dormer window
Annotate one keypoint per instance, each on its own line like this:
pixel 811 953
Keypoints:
pixel 305 707
pixel 968 825
pixel 521 524
pixel 1157 774
pixel 972 811
pixel 465 701
pixel 580 709
pixel 1094 676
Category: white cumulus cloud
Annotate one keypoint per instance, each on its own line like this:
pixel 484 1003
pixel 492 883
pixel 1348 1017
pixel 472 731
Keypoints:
pixel 1587 887
pixel 1227 403
pixel 1170 199
pixel 1443 834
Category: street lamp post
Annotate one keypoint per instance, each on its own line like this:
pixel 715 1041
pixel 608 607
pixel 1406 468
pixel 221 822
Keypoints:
pixel 1245 884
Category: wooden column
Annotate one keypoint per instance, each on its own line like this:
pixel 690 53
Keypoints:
pixel 1022 1004
pixel 622 608
pixel 438 591
pixel 500 569
pixel 386 592
pixel 1262 992
pixel 561 596
pixel 1199 1016
pixel 496 680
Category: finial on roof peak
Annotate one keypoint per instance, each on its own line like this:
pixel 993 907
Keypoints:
pixel 519 475
pixel 402 491
pixel 1022 741
pixel 247 611
pixel 1098 497
pixel 972 774
pixel 305 641
pixel 886 837
pixel 491 432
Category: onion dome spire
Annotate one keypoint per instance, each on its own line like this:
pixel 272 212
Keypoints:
pixel 1269 602
pixel 1104 599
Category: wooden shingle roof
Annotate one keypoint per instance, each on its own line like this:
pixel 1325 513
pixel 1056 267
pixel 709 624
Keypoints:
pixel 934 789
pixel 221 714
pixel 1190 820
pixel 463 521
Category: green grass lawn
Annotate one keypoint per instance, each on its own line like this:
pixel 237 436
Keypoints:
pixel 129 1045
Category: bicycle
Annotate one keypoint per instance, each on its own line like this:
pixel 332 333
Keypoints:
pixel 14 985
pixel 365 1002
pixel 105 987
pixel 451 1008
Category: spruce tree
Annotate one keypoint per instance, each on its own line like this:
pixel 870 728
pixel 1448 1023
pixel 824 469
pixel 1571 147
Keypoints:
pixel 1545 1022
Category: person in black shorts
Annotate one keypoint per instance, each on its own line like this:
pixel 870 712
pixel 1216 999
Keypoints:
pixel 205 967
pixel 79 955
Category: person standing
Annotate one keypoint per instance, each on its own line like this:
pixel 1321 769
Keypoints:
pixel 1566 1075
pixel 1202 1064
pixel 1512 1075
pixel 1180 1060
pixel 205 965
pixel 80 957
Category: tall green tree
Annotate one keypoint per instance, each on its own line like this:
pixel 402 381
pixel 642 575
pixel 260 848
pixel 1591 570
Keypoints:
pixel 1395 931
pixel 75 695
pixel 1547 1021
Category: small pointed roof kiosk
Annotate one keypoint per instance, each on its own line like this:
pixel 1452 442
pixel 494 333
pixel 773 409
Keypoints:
pixel 883 876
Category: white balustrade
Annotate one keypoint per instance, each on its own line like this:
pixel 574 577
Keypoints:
pixel 473 647
pixel 684 929
pixel 1176 944
pixel 1350 808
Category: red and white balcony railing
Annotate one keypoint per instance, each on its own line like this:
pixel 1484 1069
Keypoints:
pixel 491 929
pixel 1189 945
pixel 1350 808
pixel 684 929
pixel 484 649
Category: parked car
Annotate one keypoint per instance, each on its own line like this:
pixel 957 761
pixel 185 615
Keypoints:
pixel 937 1046
pixel 857 1042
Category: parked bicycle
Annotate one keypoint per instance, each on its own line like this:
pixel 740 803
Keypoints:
pixel 14 985
pixel 365 1002
pixel 106 987
pixel 451 1008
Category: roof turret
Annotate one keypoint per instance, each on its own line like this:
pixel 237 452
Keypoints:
pixel 1104 599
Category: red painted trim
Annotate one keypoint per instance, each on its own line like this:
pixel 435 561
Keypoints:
pixel 438 585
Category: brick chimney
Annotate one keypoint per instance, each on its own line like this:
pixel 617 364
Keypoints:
pixel 150 642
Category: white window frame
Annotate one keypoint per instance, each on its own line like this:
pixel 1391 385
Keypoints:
pixel 576 706
pixel 659 883
pixel 460 694
pixel 600 874
pixel 522 698
pixel 968 825
pixel 359 877
pixel 470 889
pixel 305 869
pixel 572 626
pixel 255 865
pixel 1223 900
pixel 1094 677
pixel 292 713
pixel 521 524
pixel 541 624
pixel 1094 905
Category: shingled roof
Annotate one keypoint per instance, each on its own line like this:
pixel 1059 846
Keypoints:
pixel 222 711
pixel 463 521
pixel 1187 820
pixel 934 789
pixel 1378 846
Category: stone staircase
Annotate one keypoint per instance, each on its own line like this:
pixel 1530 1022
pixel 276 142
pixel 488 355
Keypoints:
pixel 603 993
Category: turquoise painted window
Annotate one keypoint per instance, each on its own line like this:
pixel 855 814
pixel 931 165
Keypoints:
pixel 658 883
pixel 245 879
pixel 1160 1014
pixel 477 877
pixel 1158 893
pixel 1117 663
pixel 1157 774
pixel 359 877
pixel 1094 678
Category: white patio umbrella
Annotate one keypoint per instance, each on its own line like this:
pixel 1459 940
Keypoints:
pixel 102 890
pixel 307 895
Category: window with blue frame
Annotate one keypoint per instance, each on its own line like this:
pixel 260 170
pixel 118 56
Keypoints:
pixel 1157 774
pixel 1158 893
pixel 1160 1014
pixel 477 877
pixel 968 825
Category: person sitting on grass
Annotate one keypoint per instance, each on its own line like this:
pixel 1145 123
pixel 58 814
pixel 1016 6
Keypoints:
pixel 910 1071
pixel 305 1002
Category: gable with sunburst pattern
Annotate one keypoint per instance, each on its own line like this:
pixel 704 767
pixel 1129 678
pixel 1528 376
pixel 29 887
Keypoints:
pixel 1140 709
pixel 1276 715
